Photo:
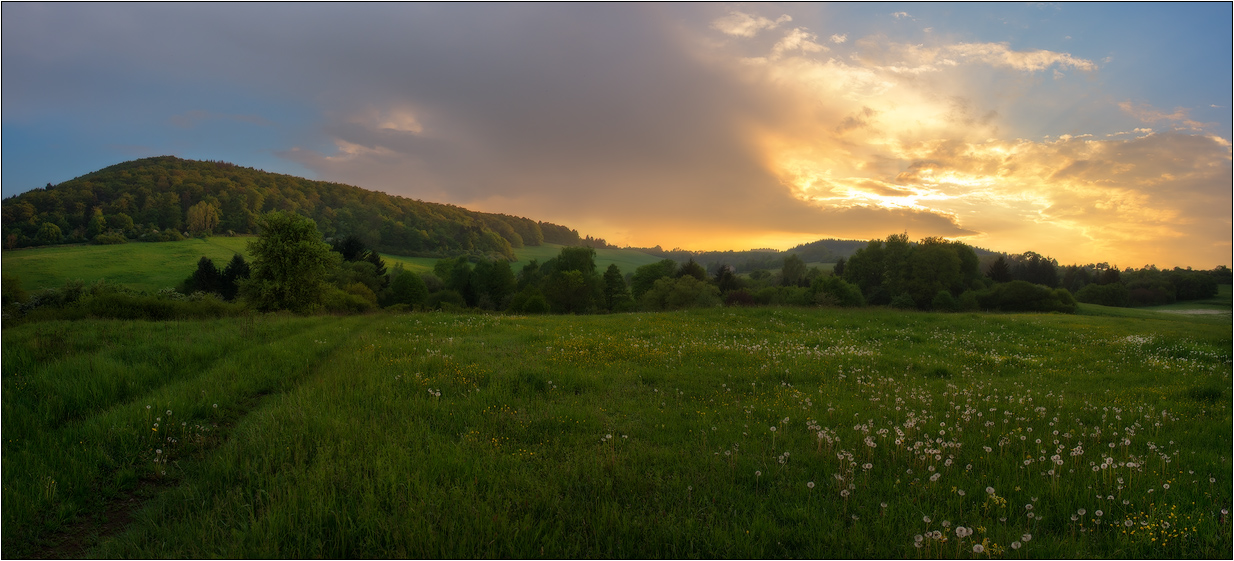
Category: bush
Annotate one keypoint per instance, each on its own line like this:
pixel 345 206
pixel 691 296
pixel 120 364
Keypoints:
pixel 680 293
pixel 784 296
pixel 109 301
pixel 446 300
pixel 536 304
pixel 831 288
pixel 363 291
pixel 825 300
pixel 944 302
pixel 406 288
pixel 109 238
pixel 168 235
pixel 528 301
pixel 13 293
pixel 1149 296
pixel 968 301
pixel 1113 294
pixel 338 301
pixel 1023 296
pixel 740 297
pixel 903 302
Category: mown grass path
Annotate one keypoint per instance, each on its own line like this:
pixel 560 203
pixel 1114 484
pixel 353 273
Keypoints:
pixel 719 433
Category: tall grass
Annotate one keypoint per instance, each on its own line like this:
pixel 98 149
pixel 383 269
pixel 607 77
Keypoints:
pixel 720 433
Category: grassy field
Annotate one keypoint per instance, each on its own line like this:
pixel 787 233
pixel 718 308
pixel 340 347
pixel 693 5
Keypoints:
pixel 155 266
pixel 1223 301
pixel 751 433
pixel 627 260
pixel 143 266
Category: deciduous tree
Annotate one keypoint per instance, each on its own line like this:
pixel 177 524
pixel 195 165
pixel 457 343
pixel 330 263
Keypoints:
pixel 290 264
pixel 203 218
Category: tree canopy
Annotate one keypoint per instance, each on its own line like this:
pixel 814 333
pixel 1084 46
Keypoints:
pixel 290 264
pixel 156 199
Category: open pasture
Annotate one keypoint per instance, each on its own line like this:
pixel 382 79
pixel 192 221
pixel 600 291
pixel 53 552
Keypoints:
pixel 149 266
pixel 155 266
pixel 752 433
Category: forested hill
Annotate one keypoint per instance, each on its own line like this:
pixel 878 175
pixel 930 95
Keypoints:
pixel 159 198
pixel 827 250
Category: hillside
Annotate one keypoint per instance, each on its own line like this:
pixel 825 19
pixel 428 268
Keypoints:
pixel 155 266
pixel 154 199
pixel 827 250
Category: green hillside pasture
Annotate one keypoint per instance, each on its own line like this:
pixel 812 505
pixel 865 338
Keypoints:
pixel 626 259
pixel 723 433
pixel 413 264
pixel 155 266
pixel 149 266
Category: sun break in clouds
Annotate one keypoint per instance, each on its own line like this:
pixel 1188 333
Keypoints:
pixel 1086 132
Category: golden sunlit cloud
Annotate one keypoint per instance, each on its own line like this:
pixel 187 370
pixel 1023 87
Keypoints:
pixel 886 129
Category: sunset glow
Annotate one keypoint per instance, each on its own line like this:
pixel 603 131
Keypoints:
pixel 1086 132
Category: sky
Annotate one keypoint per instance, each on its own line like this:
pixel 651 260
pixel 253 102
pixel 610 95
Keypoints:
pixel 1088 132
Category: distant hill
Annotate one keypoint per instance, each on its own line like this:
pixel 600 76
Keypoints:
pixel 154 199
pixel 827 250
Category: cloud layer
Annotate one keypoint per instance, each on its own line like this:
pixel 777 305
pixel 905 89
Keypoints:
pixel 690 126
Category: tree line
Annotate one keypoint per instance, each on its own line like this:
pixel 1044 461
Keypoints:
pixel 294 267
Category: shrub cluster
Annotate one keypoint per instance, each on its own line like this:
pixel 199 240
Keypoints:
pixel 102 300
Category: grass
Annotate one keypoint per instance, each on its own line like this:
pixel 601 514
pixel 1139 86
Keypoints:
pixel 149 266
pixel 627 260
pixel 754 433
pixel 1222 302
pixel 155 266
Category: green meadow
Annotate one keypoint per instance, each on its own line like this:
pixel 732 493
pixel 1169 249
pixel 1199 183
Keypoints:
pixel 155 266
pixel 627 260
pixel 727 432
pixel 141 266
